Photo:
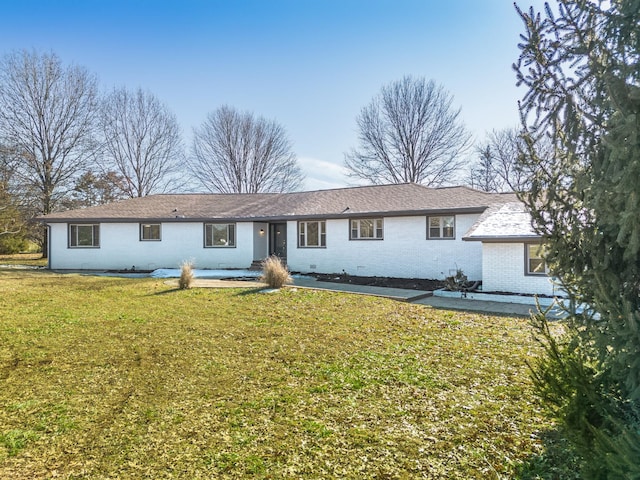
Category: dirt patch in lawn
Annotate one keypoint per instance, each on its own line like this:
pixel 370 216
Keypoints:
pixel 390 282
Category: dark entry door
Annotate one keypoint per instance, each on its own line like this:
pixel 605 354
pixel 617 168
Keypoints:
pixel 278 240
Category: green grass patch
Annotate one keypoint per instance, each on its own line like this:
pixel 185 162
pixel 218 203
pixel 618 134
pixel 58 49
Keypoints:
pixel 131 378
pixel 29 259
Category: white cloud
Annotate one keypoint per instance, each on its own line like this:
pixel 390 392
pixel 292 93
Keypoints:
pixel 322 174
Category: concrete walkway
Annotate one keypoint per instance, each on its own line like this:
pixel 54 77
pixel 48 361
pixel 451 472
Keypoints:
pixel 424 298
pixel 412 296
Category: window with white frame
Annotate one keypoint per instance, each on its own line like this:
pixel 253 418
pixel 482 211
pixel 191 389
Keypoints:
pixel 312 234
pixel 366 229
pixel 441 227
pixel 84 236
pixel 535 263
pixel 150 231
pixel 220 235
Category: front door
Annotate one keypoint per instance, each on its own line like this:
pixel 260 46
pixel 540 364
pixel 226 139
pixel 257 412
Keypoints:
pixel 278 240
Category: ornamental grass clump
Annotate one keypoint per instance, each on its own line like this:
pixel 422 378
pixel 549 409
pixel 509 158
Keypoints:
pixel 275 273
pixel 186 275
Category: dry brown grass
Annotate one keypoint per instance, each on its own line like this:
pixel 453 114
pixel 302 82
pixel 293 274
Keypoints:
pixel 186 275
pixel 275 273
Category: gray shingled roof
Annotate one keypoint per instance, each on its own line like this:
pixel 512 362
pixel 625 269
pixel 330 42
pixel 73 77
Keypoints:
pixel 403 199
pixel 503 223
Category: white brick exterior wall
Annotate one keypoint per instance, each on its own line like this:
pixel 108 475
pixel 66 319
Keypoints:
pixel 404 251
pixel 503 267
pixel 120 248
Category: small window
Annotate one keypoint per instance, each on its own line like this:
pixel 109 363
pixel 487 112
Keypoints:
pixel 150 231
pixel 441 227
pixel 366 229
pixel 312 234
pixel 535 259
pixel 219 235
pixel 84 236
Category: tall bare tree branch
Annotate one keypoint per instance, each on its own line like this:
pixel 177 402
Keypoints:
pixel 236 152
pixel 47 114
pixel 410 132
pixel 141 142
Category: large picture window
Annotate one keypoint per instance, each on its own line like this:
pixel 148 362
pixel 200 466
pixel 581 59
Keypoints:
pixel 312 234
pixel 366 229
pixel 150 231
pixel 441 227
pixel 84 236
pixel 219 235
pixel 535 259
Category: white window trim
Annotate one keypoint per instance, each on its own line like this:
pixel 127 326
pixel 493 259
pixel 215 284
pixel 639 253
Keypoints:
pixel 322 234
pixel 375 221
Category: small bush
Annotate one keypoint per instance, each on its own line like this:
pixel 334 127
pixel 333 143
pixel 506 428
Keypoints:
pixel 275 273
pixel 186 275
pixel 457 282
pixel 11 244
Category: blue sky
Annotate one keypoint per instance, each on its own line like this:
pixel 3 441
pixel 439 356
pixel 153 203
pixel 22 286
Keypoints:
pixel 311 65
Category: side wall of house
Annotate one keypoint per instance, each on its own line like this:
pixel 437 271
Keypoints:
pixel 121 247
pixel 404 251
pixel 503 270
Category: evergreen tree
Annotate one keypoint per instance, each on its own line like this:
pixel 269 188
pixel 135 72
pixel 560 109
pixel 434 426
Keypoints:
pixel 483 175
pixel 581 64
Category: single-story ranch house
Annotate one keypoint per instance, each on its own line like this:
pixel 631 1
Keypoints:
pixel 404 230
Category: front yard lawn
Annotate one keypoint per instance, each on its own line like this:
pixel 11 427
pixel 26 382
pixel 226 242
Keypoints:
pixel 130 378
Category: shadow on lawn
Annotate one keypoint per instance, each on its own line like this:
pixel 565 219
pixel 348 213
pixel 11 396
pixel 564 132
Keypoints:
pixel 557 461
pixel 251 291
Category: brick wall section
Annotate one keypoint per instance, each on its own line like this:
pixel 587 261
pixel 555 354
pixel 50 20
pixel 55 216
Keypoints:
pixel 120 248
pixel 503 270
pixel 404 252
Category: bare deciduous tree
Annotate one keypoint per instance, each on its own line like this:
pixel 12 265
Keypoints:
pixel 92 189
pixel 499 158
pixel 141 142
pixel 47 114
pixel 236 152
pixel 410 132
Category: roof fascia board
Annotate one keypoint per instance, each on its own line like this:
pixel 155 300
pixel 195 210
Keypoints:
pixel 505 239
pixel 276 218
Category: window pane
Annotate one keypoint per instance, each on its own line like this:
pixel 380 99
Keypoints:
pixel 151 232
pixel 536 265
pixel 96 235
pixel 301 236
pixel 85 235
pixel 379 228
pixel 447 227
pixel 323 234
pixel 220 235
pixel 232 235
pixel 536 262
pixel 208 235
pixel 73 236
pixel 366 228
pixel 434 222
pixel 313 237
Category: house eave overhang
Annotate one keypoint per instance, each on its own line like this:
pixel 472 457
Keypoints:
pixel 267 218
pixel 503 238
